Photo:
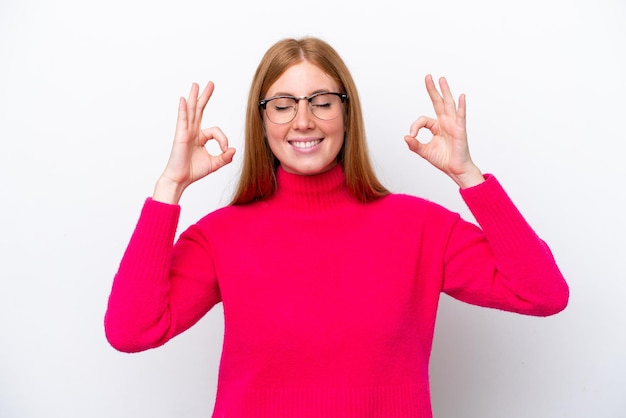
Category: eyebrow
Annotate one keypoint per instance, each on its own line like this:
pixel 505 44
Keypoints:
pixel 293 95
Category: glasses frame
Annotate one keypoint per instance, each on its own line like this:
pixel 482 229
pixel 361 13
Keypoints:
pixel 263 103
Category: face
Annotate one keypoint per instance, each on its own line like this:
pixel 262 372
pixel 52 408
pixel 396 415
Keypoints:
pixel 306 145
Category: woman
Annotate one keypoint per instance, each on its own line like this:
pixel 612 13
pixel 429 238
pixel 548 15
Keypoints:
pixel 329 282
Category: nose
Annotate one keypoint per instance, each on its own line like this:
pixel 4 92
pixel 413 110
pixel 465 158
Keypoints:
pixel 304 116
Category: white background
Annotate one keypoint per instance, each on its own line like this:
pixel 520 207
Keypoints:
pixel 88 97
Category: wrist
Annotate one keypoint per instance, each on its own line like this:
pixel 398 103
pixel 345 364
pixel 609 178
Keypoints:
pixel 470 178
pixel 167 191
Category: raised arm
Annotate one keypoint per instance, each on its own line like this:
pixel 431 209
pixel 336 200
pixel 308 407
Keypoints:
pixel 503 264
pixel 161 289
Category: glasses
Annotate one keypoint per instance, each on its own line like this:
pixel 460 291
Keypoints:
pixel 283 109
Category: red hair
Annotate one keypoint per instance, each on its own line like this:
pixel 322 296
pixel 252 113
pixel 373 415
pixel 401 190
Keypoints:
pixel 258 174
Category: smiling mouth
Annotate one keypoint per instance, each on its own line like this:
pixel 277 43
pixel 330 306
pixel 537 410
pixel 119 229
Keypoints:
pixel 305 144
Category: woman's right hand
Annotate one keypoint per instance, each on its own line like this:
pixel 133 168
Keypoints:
pixel 189 159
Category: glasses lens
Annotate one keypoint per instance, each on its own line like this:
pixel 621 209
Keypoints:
pixel 326 106
pixel 281 109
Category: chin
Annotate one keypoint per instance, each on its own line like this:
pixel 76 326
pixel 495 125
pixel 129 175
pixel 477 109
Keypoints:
pixel 308 170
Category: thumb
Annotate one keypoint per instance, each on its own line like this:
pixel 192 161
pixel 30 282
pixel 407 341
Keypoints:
pixel 414 145
pixel 224 158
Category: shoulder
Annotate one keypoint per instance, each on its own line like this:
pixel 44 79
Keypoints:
pixel 229 213
pixel 413 211
pixel 404 202
pixel 220 225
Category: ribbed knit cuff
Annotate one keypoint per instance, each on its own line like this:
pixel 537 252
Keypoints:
pixel 140 285
pixel 497 215
pixel 153 238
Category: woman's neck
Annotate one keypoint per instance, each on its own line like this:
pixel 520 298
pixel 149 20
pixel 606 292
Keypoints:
pixel 314 193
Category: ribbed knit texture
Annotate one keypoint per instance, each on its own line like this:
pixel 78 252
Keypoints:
pixel 329 303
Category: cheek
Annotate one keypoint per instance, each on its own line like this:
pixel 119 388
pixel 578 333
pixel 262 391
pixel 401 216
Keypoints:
pixel 275 138
pixel 274 133
pixel 338 131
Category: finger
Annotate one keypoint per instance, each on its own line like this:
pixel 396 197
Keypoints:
pixel 435 97
pixel 181 122
pixel 461 112
pixel 421 122
pixel 216 134
pixel 204 99
pixel 448 99
pixel 191 102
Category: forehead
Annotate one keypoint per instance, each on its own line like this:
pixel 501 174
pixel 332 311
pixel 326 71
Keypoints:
pixel 302 79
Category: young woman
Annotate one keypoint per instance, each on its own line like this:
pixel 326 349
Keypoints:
pixel 329 282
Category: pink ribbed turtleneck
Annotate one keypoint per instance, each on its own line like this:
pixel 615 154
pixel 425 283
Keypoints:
pixel 329 303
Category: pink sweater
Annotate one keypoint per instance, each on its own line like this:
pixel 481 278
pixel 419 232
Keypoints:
pixel 329 303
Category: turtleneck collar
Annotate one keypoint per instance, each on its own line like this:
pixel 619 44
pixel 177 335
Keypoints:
pixel 312 194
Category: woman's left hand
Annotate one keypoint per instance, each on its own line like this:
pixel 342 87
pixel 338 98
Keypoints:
pixel 448 149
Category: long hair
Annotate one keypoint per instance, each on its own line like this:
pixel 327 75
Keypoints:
pixel 258 174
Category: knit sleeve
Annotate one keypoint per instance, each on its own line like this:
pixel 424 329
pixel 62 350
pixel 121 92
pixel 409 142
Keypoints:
pixel 160 289
pixel 503 264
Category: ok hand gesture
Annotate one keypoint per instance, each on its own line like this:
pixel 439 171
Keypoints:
pixel 189 159
pixel 448 149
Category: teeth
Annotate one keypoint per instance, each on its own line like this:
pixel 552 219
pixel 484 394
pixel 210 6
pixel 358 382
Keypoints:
pixel 307 144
